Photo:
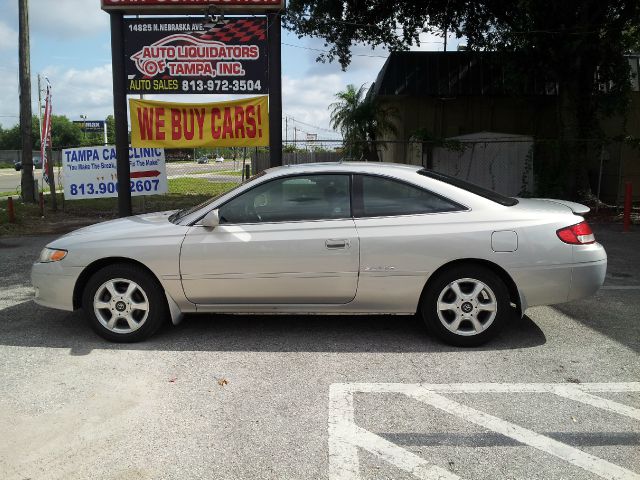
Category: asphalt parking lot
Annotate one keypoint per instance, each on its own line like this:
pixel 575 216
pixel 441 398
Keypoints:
pixel 268 397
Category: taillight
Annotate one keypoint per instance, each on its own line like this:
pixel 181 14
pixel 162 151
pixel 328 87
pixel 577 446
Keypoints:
pixel 578 234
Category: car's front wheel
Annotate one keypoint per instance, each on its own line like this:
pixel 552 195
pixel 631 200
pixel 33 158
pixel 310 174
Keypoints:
pixel 466 306
pixel 124 303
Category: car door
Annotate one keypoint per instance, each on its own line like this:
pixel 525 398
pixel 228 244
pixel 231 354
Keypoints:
pixel 289 240
pixel 404 233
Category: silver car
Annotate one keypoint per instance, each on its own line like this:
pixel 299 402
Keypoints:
pixel 341 238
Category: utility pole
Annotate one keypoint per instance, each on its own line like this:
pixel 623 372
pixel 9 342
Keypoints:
pixel 28 193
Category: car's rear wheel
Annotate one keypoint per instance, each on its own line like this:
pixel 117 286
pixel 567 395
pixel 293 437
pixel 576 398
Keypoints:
pixel 124 303
pixel 466 306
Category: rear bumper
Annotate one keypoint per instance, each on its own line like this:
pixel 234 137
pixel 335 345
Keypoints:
pixel 555 284
pixel 586 279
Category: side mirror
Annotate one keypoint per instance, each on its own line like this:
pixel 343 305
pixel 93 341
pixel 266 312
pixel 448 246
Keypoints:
pixel 211 219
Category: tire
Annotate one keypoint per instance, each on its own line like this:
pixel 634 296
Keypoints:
pixel 124 303
pixel 466 306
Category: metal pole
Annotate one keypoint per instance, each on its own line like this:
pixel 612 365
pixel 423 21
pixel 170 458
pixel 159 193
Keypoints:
pixel 275 90
pixel 120 114
pixel 628 194
pixel 40 127
pixel 600 179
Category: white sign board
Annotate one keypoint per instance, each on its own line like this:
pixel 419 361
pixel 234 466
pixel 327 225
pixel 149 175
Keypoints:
pixel 90 172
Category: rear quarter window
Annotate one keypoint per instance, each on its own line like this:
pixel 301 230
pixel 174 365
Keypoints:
pixel 383 196
pixel 470 187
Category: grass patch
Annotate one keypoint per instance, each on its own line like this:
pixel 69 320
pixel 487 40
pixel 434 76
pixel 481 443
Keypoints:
pixel 197 186
pixel 183 193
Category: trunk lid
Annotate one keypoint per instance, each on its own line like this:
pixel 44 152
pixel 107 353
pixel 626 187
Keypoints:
pixel 552 206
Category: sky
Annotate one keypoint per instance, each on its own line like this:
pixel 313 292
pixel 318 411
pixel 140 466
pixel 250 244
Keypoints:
pixel 70 45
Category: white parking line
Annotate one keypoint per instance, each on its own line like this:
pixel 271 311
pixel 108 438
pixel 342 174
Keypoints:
pixel 16 295
pixel 345 437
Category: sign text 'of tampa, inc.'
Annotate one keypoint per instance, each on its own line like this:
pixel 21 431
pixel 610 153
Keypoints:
pixel 182 55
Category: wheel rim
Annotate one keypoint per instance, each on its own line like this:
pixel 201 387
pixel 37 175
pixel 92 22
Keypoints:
pixel 121 305
pixel 467 307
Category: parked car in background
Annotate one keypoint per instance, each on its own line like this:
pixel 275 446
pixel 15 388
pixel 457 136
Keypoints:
pixel 330 238
pixel 219 159
pixel 37 163
pixel 202 159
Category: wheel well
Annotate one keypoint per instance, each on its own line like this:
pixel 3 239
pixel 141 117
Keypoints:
pixel 497 269
pixel 98 265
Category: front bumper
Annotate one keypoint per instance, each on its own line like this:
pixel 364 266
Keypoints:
pixel 54 284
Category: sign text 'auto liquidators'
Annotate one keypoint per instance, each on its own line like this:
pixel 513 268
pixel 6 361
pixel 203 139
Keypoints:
pixel 237 123
pixel 90 172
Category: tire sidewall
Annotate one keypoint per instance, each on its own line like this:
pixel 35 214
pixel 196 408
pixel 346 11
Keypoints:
pixel 429 302
pixel 152 288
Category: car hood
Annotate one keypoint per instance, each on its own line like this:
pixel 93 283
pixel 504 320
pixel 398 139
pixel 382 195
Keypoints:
pixel 150 224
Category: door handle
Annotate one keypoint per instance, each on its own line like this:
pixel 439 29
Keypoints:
pixel 336 244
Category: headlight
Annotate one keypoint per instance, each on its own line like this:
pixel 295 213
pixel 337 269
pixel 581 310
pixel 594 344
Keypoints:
pixel 52 255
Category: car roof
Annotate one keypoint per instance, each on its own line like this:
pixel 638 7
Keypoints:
pixel 359 167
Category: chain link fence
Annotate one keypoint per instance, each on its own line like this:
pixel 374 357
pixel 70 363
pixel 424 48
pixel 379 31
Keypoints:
pixel 511 165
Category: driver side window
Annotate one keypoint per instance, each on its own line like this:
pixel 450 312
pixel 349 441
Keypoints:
pixel 291 199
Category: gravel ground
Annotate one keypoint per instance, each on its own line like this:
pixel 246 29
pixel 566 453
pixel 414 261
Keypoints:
pixel 247 397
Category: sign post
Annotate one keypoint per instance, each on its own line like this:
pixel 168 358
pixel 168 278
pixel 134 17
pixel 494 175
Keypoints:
pixel 209 55
pixel 120 114
pixel 275 89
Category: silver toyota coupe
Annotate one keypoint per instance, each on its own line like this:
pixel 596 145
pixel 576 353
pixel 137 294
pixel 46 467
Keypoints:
pixel 331 238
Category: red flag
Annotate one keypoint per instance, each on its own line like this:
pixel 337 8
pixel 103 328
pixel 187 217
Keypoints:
pixel 45 134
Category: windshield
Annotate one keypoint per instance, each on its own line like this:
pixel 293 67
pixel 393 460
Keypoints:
pixel 179 215
pixel 470 187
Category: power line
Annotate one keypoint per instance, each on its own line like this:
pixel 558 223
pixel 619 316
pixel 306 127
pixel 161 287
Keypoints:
pixel 310 125
pixel 327 51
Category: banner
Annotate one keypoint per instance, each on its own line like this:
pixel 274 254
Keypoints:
pixel 45 135
pixel 236 123
pixel 182 55
pixel 90 172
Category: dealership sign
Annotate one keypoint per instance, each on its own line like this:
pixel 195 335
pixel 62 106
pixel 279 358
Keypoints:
pixel 236 123
pixel 180 6
pixel 185 56
pixel 96 126
pixel 90 172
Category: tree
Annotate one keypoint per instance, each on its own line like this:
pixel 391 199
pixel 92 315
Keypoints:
pixel 362 121
pixel 579 43
pixel 111 129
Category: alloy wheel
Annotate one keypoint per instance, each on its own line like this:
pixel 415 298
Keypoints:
pixel 467 306
pixel 121 305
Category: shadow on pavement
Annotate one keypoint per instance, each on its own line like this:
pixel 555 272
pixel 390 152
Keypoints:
pixel 30 325
pixel 614 316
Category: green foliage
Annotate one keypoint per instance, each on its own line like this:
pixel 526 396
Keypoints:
pixel 111 129
pixel 578 44
pixel 362 121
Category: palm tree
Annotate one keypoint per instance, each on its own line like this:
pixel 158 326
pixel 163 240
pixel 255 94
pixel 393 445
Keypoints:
pixel 362 121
